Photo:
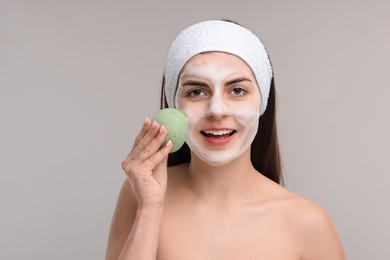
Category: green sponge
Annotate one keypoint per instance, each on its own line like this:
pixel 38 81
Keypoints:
pixel 177 125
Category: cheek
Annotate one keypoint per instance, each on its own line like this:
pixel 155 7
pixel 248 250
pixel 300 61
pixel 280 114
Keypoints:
pixel 247 116
pixel 192 111
pixel 193 115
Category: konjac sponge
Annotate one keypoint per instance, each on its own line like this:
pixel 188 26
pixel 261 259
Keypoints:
pixel 177 125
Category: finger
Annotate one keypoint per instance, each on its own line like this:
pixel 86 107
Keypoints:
pixel 149 145
pixel 159 158
pixel 141 150
pixel 145 128
pixel 160 174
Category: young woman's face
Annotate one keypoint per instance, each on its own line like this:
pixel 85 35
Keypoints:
pixel 221 99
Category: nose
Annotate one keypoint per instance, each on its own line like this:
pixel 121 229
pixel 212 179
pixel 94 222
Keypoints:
pixel 217 108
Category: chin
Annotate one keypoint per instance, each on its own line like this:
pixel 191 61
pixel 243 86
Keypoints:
pixel 220 159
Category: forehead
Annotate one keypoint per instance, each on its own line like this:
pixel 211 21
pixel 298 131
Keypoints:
pixel 217 60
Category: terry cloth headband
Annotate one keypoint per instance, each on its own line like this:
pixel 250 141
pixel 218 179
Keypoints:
pixel 223 37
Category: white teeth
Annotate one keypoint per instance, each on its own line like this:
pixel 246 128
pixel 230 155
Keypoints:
pixel 220 132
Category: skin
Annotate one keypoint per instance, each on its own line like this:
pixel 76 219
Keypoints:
pixel 214 89
pixel 208 211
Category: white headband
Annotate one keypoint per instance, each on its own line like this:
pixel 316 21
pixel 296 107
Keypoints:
pixel 217 36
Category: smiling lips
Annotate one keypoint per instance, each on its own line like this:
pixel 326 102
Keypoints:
pixel 218 136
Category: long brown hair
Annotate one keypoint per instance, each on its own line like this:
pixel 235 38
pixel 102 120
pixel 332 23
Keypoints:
pixel 265 155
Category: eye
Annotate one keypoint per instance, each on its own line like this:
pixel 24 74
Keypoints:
pixel 195 93
pixel 238 91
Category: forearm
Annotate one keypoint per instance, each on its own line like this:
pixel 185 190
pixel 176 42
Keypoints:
pixel 142 241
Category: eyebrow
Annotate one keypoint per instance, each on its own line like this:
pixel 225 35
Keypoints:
pixel 201 84
pixel 194 83
pixel 237 80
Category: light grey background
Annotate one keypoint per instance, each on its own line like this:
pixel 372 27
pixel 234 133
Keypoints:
pixel 78 77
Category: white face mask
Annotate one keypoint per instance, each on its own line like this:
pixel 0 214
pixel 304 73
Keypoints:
pixel 223 116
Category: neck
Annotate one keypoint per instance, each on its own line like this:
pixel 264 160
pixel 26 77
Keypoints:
pixel 223 184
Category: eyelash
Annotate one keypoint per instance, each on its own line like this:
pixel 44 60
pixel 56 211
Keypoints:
pixel 191 92
pixel 242 91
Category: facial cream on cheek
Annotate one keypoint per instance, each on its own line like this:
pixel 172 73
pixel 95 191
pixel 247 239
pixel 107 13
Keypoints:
pixel 193 115
pixel 239 114
pixel 247 118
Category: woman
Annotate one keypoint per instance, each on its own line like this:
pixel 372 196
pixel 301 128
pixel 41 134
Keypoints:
pixel 220 197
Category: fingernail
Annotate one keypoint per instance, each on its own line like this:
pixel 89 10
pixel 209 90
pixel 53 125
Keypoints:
pixel 169 143
pixel 146 120
pixel 154 124
pixel 161 129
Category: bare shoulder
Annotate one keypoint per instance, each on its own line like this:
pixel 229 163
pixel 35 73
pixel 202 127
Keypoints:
pixel 122 220
pixel 308 217
pixel 311 225
pixel 302 211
